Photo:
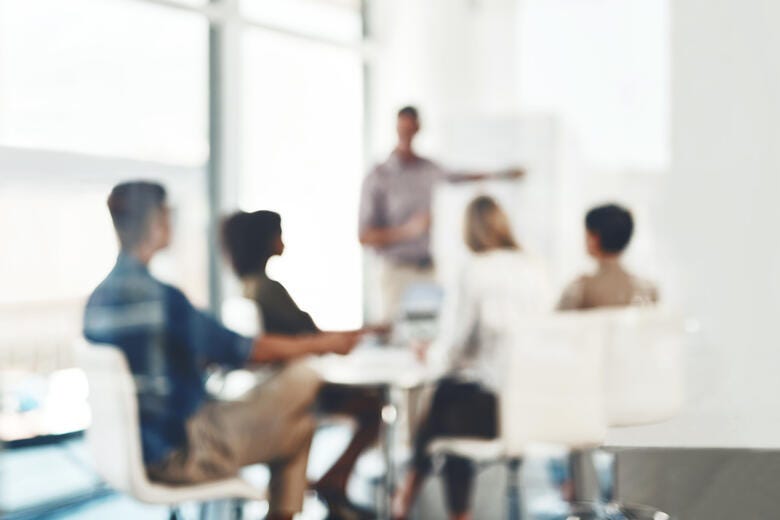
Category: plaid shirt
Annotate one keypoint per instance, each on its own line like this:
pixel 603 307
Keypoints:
pixel 167 343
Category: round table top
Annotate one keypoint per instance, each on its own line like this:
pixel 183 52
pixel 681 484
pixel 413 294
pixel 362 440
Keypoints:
pixel 373 366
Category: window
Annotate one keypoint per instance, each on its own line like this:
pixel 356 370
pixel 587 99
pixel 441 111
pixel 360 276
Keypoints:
pixel 108 79
pixel 94 92
pixel 104 77
pixel 302 157
pixel 60 240
pixel 337 20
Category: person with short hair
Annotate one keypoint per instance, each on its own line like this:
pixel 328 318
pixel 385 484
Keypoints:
pixel 395 212
pixel 608 231
pixel 186 437
pixel 500 285
pixel 249 241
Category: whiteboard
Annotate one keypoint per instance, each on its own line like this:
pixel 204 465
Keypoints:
pixel 537 204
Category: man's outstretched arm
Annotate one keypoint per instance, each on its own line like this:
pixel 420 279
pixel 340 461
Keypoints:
pixel 270 348
pixel 470 176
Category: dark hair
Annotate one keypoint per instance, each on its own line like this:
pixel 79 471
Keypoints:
pixel 614 226
pixel 409 111
pixel 486 226
pixel 131 204
pixel 248 239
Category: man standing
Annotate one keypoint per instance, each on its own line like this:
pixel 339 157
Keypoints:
pixel 187 438
pixel 395 212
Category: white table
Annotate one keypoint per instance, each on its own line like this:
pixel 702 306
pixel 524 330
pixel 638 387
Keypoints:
pixel 391 369
pixel 372 365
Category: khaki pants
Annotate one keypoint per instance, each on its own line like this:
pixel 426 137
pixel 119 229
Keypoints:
pixel 272 425
pixel 394 280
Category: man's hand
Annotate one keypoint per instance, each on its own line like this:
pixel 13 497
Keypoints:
pixel 380 329
pixel 513 173
pixel 417 226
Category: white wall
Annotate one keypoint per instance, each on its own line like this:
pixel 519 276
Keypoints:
pixel 603 67
pixel 720 209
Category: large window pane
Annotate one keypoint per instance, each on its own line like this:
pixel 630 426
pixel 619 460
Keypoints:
pixel 108 77
pixel 60 244
pixel 334 19
pixel 302 149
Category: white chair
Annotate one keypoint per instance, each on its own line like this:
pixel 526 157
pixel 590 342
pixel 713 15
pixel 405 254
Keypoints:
pixel 645 371
pixel 645 376
pixel 115 443
pixel 552 393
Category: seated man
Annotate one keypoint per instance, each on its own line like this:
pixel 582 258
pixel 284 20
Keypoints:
pixel 167 343
pixel 608 231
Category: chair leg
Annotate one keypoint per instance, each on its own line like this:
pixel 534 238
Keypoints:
pixel 238 509
pixel 577 464
pixel 605 464
pixel 514 505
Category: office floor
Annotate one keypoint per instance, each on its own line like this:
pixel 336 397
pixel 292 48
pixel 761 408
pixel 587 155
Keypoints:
pixel 56 481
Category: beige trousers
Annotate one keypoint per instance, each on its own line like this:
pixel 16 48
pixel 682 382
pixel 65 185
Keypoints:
pixel 394 280
pixel 272 425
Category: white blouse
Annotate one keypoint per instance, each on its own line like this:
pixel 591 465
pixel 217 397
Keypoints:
pixel 496 290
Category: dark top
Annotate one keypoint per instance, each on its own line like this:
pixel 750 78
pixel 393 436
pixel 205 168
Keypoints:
pixel 279 312
pixel 167 343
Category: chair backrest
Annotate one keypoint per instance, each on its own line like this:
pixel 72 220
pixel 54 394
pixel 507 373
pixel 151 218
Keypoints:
pixel 553 388
pixel 644 364
pixel 113 437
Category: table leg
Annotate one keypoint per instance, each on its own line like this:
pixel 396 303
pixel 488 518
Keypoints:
pixel 390 419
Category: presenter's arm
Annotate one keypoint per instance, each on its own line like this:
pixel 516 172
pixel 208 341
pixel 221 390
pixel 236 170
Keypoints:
pixel 507 174
pixel 415 227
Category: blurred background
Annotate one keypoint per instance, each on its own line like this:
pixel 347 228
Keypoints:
pixel 669 107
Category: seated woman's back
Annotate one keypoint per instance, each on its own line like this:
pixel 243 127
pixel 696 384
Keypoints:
pixel 499 286
pixel 279 312
pixel 507 286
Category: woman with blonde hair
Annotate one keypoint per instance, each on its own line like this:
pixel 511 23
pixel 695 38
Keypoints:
pixel 499 285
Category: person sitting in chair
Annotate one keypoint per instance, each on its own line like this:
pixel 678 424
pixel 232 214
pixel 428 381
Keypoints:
pixel 186 437
pixel 250 240
pixel 608 231
pixel 499 285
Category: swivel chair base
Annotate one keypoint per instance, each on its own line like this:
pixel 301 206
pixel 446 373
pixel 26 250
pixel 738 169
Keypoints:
pixel 612 511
